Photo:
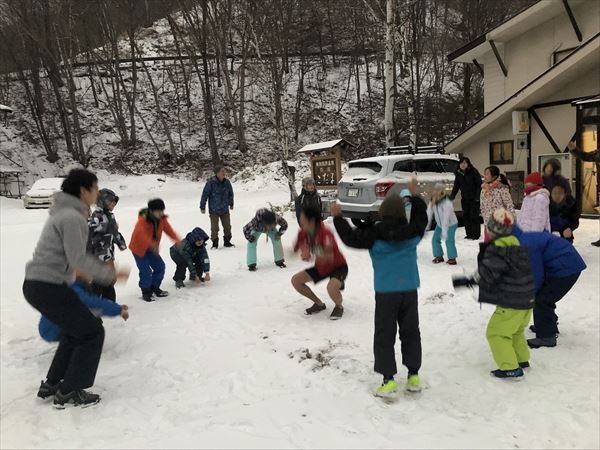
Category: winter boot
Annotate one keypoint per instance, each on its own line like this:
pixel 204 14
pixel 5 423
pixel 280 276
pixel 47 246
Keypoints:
pixel 542 342
pixel 413 383
pixel 179 284
pixel 337 313
pixel 147 295
pixel 215 244
pixel 524 365
pixel 252 267
pixel 159 292
pixel 315 308
pixel 280 264
pixel 227 243
pixel 451 261
pixel 387 389
pixel 47 390
pixel 78 397
pixel 438 259
pixel 514 374
pixel 596 243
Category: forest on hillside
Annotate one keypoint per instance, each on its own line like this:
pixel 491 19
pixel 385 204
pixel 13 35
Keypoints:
pixel 141 84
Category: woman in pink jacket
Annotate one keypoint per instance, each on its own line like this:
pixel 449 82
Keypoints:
pixel 495 194
pixel 535 211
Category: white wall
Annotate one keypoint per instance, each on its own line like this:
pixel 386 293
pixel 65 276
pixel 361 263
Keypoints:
pixel 530 54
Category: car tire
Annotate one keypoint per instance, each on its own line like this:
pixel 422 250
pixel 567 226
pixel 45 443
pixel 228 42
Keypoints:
pixel 362 223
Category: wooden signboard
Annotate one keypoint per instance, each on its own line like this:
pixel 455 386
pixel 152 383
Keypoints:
pixel 326 168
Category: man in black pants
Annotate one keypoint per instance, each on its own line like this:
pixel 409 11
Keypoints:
pixel 60 251
pixel 468 181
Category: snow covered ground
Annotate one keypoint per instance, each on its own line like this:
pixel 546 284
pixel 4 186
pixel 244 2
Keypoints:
pixel 225 365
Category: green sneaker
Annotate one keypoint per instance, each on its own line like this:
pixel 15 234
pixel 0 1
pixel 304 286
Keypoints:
pixel 413 384
pixel 387 389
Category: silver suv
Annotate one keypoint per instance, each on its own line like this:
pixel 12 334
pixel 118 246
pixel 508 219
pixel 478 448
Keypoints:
pixel 366 182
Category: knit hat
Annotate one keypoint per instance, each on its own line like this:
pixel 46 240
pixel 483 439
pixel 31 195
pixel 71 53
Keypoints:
pixel 156 204
pixel 534 178
pixel 392 206
pixel 501 222
pixel 405 193
pixel 308 180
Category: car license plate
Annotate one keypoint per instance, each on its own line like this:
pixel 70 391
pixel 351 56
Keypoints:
pixel 352 192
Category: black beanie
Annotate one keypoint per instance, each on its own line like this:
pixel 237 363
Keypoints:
pixel 156 204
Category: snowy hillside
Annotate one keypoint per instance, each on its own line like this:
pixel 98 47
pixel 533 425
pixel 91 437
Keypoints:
pixel 236 363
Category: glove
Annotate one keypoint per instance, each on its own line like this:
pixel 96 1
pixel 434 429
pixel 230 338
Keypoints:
pixel 460 281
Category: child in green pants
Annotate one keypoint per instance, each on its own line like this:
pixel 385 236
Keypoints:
pixel 505 279
pixel 273 225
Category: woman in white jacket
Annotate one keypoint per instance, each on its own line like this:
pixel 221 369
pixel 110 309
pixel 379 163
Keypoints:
pixel 442 210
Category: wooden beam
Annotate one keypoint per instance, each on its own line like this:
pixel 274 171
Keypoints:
pixel 545 131
pixel 478 66
pixel 573 21
pixel 498 58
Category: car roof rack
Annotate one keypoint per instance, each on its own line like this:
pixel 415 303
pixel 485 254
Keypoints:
pixel 409 150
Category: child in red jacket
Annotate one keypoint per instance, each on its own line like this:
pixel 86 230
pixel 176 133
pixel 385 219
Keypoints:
pixel 329 262
pixel 144 245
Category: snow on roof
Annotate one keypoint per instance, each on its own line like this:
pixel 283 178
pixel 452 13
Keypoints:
pixel 322 146
pixel 6 108
pixel 8 169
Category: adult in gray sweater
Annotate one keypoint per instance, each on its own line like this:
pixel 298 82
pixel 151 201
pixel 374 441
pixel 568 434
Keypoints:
pixel 59 253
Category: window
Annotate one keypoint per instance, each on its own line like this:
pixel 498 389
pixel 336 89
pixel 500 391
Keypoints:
pixel 428 165
pixel 501 152
pixel 403 166
pixel 449 165
pixel 369 167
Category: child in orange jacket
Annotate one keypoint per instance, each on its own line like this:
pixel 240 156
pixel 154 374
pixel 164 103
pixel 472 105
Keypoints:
pixel 144 244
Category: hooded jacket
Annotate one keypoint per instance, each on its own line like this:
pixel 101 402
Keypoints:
pixel 258 224
pixel 504 273
pixel 219 195
pixel 469 184
pixel 104 234
pixel 535 211
pixel 148 230
pixel 61 248
pixel 191 253
pixel 443 212
pixel 550 256
pixel 495 195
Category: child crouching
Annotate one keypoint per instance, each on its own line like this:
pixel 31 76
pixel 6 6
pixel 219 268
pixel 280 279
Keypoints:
pixel 505 279
pixel 191 254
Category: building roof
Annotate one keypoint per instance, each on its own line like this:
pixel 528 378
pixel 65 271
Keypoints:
pixel 323 146
pixel 582 59
pixel 526 19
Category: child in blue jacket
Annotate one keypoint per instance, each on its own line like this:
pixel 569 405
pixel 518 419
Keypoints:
pixel 392 245
pixel 556 267
pixel 99 306
pixel 193 256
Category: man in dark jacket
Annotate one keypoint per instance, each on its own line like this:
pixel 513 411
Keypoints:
pixel 219 194
pixel 468 181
